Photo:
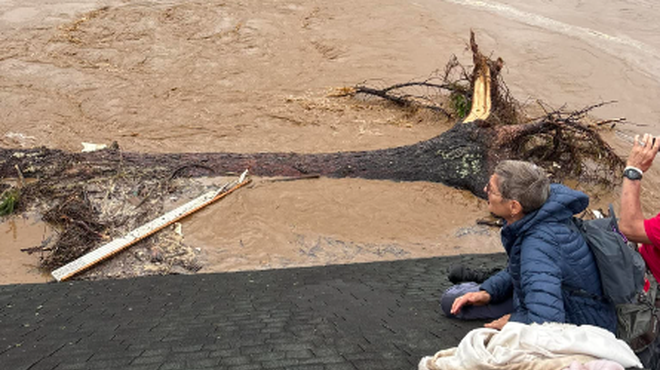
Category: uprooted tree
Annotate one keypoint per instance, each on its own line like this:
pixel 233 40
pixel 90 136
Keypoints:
pixel 463 156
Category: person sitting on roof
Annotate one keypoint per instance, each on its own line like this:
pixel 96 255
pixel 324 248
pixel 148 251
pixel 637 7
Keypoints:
pixel 551 275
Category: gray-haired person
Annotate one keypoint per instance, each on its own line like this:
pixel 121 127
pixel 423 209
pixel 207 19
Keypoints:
pixel 551 275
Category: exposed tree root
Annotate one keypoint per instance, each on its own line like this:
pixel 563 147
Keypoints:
pixel 396 94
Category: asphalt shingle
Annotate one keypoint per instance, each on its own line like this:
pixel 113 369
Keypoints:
pixel 364 316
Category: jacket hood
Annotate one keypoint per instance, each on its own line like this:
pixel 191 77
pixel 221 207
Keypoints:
pixel 562 203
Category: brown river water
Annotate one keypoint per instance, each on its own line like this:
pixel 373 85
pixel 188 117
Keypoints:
pixel 251 76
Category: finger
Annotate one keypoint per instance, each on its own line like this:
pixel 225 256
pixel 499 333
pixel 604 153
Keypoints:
pixel 636 142
pixel 460 303
pixel 656 144
pixel 456 307
pixel 492 324
pixel 648 144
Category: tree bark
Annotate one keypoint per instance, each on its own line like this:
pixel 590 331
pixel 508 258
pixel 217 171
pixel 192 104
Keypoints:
pixel 459 157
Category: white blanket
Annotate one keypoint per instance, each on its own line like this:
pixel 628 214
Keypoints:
pixel 517 346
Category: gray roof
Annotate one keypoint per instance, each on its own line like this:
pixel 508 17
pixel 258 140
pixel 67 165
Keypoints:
pixel 381 315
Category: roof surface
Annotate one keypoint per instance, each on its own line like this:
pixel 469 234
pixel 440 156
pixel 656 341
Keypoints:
pixel 383 315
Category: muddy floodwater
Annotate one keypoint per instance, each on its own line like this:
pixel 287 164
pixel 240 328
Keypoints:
pixel 20 267
pixel 254 76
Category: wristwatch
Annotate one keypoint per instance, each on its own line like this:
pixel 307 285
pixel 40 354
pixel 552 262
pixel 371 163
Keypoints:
pixel 632 173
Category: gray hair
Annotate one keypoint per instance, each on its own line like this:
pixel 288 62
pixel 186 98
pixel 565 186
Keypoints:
pixel 523 181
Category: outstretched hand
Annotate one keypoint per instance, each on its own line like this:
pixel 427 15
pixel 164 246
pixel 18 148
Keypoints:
pixel 643 153
pixel 499 323
pixel 479 298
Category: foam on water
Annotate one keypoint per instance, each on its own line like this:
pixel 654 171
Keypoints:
pixel 634 52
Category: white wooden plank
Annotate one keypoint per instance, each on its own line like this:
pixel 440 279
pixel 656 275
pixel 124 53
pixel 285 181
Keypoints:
pixel 140 233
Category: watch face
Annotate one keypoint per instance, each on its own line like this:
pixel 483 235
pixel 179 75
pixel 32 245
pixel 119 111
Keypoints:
pixel 632 174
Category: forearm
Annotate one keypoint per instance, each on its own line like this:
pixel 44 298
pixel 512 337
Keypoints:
pixel 632 218
pixel 641 158
pixel 631 205
pixel 498 286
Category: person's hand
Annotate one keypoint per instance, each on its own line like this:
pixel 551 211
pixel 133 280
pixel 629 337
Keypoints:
pixel 479 298
pixel 499 323
pixel 642 155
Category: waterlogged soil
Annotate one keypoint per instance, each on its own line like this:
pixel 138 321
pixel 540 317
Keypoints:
pixel 254 76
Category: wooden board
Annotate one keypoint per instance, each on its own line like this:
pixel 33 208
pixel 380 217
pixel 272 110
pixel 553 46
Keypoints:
pixel 117 245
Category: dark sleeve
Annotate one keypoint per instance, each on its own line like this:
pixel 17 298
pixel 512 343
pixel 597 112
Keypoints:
pixel 499 286
pixel 540 282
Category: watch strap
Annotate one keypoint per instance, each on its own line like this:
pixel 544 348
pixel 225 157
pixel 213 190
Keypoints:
pixel 629 169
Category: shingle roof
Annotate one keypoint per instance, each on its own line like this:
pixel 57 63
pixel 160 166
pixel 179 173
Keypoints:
pixel 363 316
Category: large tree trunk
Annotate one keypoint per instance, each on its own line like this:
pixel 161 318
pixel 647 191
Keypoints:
pixel 462 157
pixel 458 157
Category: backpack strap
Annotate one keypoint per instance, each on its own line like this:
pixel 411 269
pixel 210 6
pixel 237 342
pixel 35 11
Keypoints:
pixel 615 223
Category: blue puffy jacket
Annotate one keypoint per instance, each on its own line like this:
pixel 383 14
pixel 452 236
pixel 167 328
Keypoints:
pixel 551 271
